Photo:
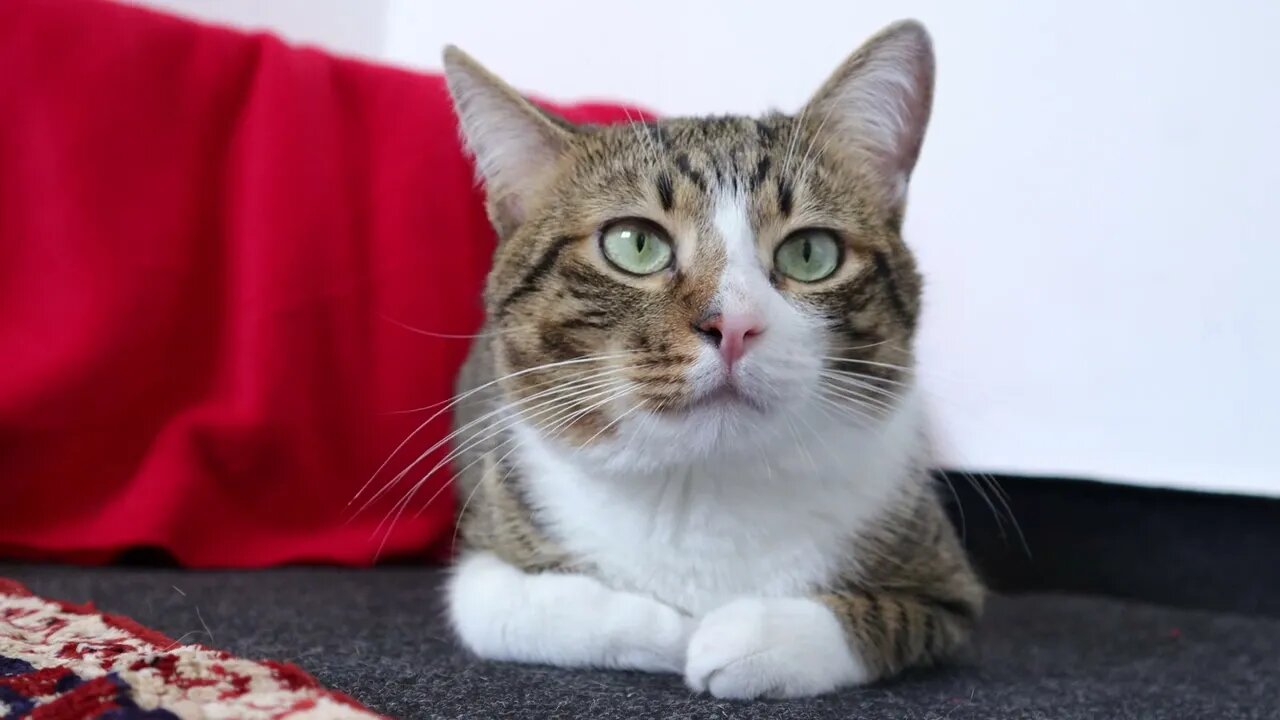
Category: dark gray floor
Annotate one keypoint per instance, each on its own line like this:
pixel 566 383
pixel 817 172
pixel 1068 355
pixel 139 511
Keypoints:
pixel 378 636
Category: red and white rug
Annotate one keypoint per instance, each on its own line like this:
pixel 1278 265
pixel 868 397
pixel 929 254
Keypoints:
pixel 60 661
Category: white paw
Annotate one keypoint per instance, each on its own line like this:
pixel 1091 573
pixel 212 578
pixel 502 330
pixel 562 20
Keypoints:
pixel 501 613
pixel 651 637
pixel 776 647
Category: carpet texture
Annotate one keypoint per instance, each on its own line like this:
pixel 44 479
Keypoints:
pixel 378 636
pixel 66 661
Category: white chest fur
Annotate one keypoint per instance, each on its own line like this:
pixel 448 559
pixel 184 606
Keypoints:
pixel 774 523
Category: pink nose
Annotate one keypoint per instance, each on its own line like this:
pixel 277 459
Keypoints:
pixel 731 333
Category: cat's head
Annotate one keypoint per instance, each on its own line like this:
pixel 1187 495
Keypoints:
pixel 705 283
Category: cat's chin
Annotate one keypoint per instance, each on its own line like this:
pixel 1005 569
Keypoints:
pixel 722 427
pixel 750 393
pixel 725 399
pixel 721 433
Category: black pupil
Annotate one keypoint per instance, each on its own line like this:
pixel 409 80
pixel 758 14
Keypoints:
pixel 807 252
pixel 641 239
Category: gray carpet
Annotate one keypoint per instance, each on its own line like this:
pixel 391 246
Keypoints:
pixel 378 636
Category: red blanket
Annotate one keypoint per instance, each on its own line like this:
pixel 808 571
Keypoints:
pixel 210 244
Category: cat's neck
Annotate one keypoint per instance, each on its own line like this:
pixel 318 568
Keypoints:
pixel 782 519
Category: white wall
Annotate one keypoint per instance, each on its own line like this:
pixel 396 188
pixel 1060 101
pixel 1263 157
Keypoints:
pixel 1092 210
pixel 352 27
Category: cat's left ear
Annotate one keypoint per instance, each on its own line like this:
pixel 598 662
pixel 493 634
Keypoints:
pixel 517 146
pixel 875 107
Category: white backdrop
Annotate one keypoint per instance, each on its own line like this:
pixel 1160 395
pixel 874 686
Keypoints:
pixel 1093 210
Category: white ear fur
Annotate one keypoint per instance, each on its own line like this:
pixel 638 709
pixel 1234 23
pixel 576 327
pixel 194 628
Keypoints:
pixel 878 103
pixel 516 146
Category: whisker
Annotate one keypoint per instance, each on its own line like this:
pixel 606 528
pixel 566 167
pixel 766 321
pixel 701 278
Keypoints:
pixel 611 423
pixel 458 473
pixel 409 496
pixel 848 394
pixel 804 165
pixel 457 526
pixel 826 407
pixel 964 525
pixel 574 390
pixel 457 399
pixel 852 395
pixel 982 493
pixel 796 126
pixel 800 444
pixel 871 363
pixel 563 425
pixel 455 336
pixel 863 377
pixel 608 387
pixel 462 396
pixel 398 509
pixel 814 433
pixel 648 424
pixel 849 411
pixel 558 393
pixel 402 504
pixel 851 348
pixel 1003 498
pixel 985 486
pixel 544 383
pixel 862 386
pixel 642 136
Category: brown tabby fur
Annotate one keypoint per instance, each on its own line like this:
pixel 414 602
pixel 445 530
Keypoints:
pixel 911 598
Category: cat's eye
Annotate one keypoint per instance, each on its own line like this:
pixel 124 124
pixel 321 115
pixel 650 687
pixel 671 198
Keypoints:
pixel 808 255
pixel 636 247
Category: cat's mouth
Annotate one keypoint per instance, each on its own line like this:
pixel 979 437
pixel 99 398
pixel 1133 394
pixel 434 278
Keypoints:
pixel 727 396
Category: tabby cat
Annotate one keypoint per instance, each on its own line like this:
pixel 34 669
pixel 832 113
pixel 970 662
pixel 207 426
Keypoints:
pixel 690 437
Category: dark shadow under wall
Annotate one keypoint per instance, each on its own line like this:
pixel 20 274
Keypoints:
pixel 1182 549
pixel 1174 548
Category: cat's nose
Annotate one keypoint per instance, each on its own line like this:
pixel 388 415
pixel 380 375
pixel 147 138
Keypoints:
pixel 731 332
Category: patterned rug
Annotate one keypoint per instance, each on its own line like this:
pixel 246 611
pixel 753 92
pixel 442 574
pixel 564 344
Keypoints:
pixel 60 661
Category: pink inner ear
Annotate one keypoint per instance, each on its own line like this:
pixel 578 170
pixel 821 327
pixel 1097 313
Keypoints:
pixel 916 106
pixel 882 104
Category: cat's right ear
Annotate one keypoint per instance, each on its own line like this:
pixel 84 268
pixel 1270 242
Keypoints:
pixel 516 145
pixel 876 106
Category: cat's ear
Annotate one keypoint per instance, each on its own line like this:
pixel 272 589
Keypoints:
pixel 875 107
pixel 515 144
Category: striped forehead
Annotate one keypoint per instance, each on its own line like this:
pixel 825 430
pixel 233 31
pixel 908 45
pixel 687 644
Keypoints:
pixel 713 155
pixel 705 161
pixel 721 174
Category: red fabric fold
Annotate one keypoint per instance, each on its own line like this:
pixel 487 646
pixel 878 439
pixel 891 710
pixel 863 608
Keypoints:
pixel 210 243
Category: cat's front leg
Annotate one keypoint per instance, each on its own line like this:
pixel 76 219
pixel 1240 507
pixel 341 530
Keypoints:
pixel 800 647
pixel 503 613
pixel 771 647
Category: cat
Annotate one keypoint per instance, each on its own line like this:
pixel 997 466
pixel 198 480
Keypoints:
pixel 690 437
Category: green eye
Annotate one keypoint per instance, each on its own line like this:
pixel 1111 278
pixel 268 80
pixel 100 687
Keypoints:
pixel 808 255
pixel 636 247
